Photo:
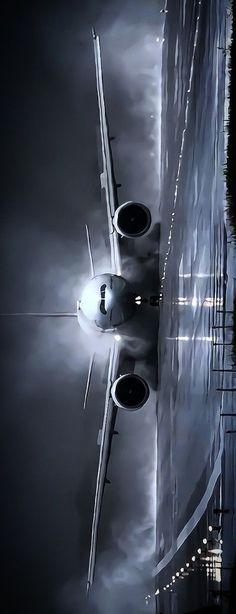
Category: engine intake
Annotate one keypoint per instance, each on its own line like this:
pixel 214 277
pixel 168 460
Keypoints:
pixel 130 392
pixel 132 219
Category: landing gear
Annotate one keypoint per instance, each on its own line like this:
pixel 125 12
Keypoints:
pixel 154 301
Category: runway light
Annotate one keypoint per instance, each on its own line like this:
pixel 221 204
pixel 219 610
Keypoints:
pixel 182 569
pixel 177 574
pixel 167 586
pixel 174 580
pixel 173 577
pixel 221 541
pixel 157 39
pixel 157 591
pixel 187 564
pixel 164 588
pixel 117 337
pixel 199 550
pixel 210 528
pixel 193 558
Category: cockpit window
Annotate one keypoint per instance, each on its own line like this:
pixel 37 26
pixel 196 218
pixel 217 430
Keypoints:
pixel 103 299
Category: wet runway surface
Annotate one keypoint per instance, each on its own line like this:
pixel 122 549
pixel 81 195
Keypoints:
pixel 194 284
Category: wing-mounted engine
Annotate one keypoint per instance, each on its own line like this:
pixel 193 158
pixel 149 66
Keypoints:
pixel 132 219
pixel 130 392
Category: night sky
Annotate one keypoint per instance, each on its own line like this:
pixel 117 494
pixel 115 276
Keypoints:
pixel 49 189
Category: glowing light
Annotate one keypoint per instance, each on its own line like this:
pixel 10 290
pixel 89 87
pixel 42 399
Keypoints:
pixel 167 586
pixel 182 569
pixel 164 588
pixel 199 550
pixel 138 298
pixel 177 574
pixel 182 338
pixel 157 591
pixel 193 558
pixel 210 528
pixel 174 580
pixel 221 541
pixel 204 541
pixel 157 39
pixel 187 564
pixel 173 577
pixel 117 337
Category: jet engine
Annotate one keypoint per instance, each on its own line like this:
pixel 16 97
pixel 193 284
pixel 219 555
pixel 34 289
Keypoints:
pixel 132 219
pixel 130 392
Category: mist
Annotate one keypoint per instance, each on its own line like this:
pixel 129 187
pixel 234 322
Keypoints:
pixel 51 189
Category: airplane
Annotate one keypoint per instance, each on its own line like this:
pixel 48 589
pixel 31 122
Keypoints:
pixel 107 303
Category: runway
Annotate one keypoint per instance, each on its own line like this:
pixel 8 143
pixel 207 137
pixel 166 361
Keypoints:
pixel 193 272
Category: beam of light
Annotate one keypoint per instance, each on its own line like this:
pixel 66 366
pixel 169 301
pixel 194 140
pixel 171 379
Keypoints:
pixel 117 337
pixel 186 338
pixel 199 275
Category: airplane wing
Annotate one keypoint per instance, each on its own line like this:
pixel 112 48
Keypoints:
pixel 105 439
pixel 108 182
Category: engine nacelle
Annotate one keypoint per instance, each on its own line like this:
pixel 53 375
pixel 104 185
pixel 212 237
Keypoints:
pixel 132 219
pixel 130 392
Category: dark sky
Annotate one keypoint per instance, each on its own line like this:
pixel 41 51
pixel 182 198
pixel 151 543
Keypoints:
pixel 49 189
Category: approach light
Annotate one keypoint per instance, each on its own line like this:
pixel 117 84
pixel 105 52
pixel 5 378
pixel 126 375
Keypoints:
pixel 199 550
pixel 193 558
pixel 204 541
pixel 210 528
